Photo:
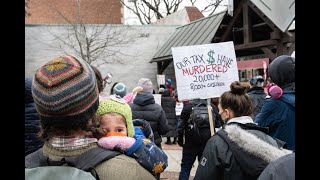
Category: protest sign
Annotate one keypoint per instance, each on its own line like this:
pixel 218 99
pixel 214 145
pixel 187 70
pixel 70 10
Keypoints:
pixel 204 71
pixel 157 98
pixel 161 79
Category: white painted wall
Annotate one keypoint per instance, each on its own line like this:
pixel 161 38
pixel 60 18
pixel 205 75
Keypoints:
pixel 136 66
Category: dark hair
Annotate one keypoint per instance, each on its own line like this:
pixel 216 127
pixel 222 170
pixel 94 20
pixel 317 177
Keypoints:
pixel 237 100
pixel 111 90
pixel 99 78
pixel 215 101
pixel 246 84
pixel 48 131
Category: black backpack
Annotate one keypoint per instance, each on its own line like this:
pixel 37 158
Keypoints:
pixel 198 124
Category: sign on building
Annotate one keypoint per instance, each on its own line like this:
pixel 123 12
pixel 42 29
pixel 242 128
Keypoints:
pixel 204 71
pixel 161 79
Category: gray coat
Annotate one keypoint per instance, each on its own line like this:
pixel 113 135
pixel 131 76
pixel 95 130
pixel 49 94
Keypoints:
pixel 280 169
pixel 258 97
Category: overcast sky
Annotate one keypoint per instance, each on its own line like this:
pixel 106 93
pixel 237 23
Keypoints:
pixel 201 4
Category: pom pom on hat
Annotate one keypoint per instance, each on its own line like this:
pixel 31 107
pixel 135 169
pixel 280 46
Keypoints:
pixel 65 92
pixel 120 89
pixel 116 104
pixel 146 84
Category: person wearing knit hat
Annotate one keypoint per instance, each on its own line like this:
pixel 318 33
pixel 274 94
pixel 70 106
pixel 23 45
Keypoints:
pixel 66 97
pixel 146 84
pixel 144 107
pixel 65 93
pixel 115 108
pixel 169 86
pixel 116 125
pixel 120 89
pixel 278 112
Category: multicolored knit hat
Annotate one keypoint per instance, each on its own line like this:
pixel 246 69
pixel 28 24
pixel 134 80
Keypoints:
pixel 116 104
pixel 65 92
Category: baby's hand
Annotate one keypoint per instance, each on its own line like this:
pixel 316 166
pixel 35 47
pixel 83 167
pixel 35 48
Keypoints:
pixel 121 142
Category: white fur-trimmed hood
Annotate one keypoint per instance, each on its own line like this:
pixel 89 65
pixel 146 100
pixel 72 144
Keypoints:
pixel 254 145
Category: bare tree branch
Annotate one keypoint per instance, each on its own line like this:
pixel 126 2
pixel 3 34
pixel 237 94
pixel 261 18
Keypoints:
pixel 156 10
pixel 162 8
pixel 93 43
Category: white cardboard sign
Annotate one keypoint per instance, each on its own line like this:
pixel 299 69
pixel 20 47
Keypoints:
pixel 204 71
pixel 157 98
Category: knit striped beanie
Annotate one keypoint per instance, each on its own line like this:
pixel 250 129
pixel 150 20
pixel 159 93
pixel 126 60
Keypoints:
pixel 65 92
pixel 115 104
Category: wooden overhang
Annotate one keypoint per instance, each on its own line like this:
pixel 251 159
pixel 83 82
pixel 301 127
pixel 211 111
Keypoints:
pixel 252 32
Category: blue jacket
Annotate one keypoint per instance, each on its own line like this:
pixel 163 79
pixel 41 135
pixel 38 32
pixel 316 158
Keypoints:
pixel 31 122
pixel 279 116
pixel 147 153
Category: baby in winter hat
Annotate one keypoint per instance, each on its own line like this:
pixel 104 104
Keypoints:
pixel 116 131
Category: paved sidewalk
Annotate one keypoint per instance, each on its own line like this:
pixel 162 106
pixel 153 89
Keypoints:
pixel 174 153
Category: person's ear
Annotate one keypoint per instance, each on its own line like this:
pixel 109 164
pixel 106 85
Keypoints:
pixel 227 113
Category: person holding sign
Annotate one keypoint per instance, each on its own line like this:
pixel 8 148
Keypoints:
pixel 193 144
pixel 241 149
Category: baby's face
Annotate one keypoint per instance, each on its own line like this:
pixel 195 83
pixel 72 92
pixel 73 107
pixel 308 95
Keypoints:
pixel 112 122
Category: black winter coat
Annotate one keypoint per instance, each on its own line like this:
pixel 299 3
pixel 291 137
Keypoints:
pixel 183 122
pixel 168 104
pixel 258 97
pixel 144 107
pixel 238 152
pixel 31 122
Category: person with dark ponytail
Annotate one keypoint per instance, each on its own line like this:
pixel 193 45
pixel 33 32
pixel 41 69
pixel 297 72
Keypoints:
pixel 241 149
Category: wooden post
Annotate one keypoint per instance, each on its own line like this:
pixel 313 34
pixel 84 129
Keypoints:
pixel 211 122
pixel 247 33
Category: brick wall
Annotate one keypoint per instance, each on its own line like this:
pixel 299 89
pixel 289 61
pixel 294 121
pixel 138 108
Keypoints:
pixel 91 11
pixel 193 13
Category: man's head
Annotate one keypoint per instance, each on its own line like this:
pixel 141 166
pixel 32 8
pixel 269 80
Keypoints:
pixel 282 70
pixel 146 84
pixel 65 94
pixel 256 81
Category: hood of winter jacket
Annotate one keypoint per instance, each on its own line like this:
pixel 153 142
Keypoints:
pixel 143 99
pixel 289 97
pixel 282 70
pixel 256 90
pixel 253 149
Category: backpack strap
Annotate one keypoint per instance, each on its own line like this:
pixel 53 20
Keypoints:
pixel 85 161
pixel 91 158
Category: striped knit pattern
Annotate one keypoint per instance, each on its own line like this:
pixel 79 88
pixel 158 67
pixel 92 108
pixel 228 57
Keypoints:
pixel 65 89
